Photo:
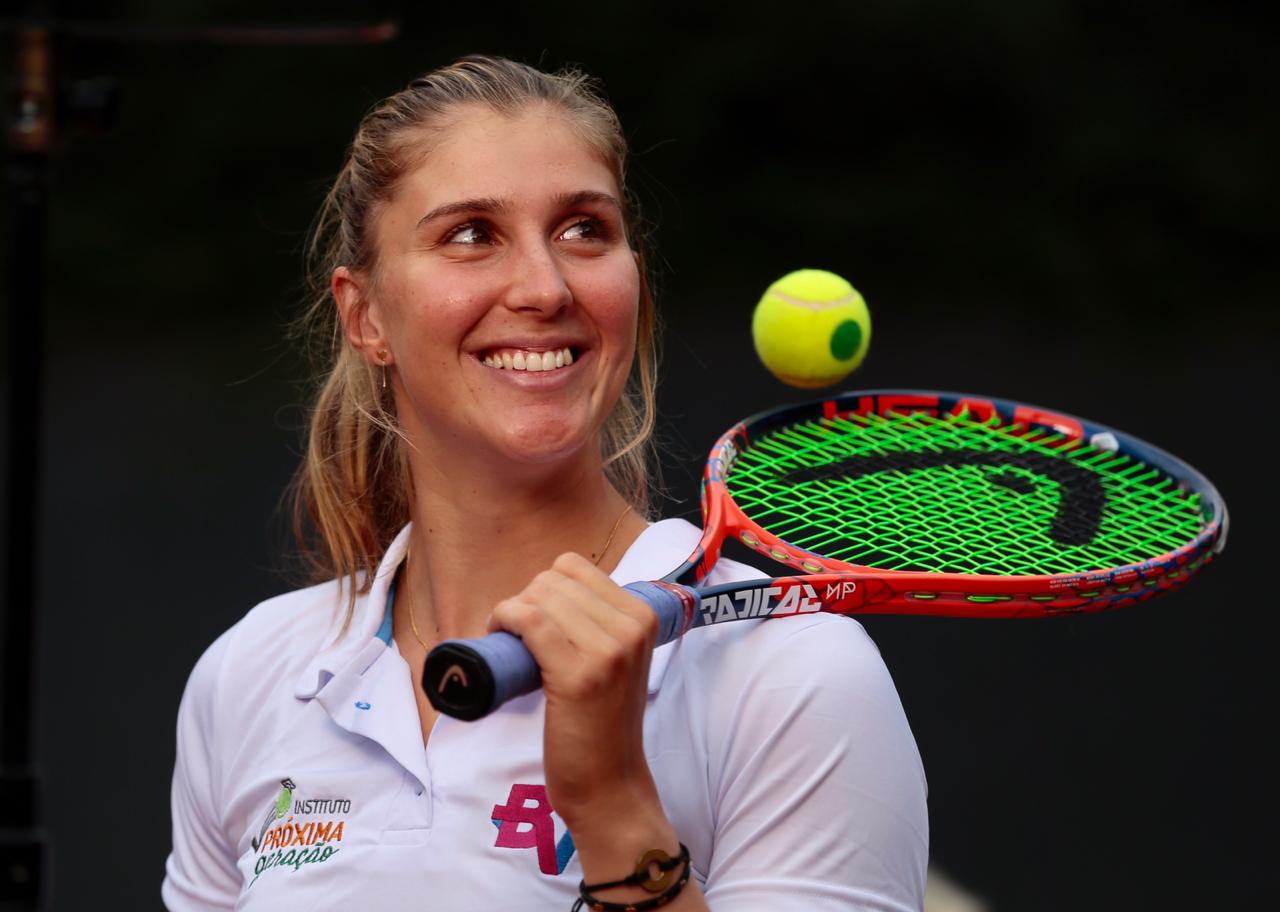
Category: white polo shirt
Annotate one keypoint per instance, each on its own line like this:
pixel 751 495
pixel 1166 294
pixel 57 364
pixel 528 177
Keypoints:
pixel 780 750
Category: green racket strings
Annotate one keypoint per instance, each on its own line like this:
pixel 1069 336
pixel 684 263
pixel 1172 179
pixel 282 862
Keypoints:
pixel 954 494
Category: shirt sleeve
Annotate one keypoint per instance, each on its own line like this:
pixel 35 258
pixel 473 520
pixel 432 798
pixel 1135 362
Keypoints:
pixel 200 873
pixel 816 785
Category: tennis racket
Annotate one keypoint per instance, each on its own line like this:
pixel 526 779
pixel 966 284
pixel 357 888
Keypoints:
pixel 908 502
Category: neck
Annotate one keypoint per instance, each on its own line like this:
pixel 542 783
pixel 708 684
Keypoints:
pixel 475 543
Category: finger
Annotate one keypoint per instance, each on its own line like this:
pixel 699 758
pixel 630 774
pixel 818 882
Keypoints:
pixel 544 637
pixel 630 625
pixel 592 593
pixel 597 628
pixel 578 568
pixel 554 606
pixel 579 640
pixel 614 647
pixel 512 614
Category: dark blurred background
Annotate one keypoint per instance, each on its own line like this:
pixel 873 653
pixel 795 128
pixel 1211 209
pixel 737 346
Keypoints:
pixel 1070 203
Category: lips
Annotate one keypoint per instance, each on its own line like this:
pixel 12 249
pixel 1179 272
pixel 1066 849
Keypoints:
pixel 522 359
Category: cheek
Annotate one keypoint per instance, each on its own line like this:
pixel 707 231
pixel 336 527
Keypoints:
pixel 429 326
pixel 618 297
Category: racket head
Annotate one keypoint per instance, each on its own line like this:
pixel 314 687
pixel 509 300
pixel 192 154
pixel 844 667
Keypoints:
pixel 958 504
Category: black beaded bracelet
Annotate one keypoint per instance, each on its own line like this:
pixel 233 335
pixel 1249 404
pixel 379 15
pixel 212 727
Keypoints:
pixel 642 877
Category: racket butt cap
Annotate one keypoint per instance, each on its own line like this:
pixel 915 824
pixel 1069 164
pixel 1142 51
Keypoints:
pixel 458 681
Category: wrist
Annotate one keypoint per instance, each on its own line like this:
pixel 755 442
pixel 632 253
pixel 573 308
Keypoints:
pixel 609 843
pixel 661 875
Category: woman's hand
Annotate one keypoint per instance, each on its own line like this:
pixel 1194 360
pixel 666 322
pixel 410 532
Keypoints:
pixel 593 643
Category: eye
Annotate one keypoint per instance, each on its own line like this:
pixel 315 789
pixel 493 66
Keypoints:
pixel 586 229
pixel 469 233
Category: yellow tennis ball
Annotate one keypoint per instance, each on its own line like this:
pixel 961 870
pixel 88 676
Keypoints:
pixel 811 328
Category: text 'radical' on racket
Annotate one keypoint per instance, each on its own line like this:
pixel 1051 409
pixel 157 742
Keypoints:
pixel 908 502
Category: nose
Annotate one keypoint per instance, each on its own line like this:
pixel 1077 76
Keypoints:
pixel 537 282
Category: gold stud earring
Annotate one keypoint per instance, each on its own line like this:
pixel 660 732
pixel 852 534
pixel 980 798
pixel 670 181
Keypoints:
pixel 382 356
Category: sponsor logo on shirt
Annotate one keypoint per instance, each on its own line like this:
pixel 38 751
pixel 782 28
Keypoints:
pixel 299 831
pixel 526 822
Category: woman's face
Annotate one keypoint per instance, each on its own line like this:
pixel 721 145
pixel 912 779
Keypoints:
pixel 505 249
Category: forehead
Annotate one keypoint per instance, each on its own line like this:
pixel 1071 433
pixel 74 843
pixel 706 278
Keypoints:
pixel 480 153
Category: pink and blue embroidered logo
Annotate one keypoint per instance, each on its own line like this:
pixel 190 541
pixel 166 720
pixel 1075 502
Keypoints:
pixel 525 822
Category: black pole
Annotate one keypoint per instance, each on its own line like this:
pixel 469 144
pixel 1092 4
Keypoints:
pixel 23 846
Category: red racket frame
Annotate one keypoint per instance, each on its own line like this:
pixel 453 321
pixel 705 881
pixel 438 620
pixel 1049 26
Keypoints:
pixel 958 594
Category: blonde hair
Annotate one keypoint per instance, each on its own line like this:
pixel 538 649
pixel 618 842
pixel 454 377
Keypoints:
pixel 351 494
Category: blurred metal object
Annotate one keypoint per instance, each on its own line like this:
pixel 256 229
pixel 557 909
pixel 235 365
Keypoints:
pixel 24 847
pixel 351 33
pixel 40 105
pixel 31 120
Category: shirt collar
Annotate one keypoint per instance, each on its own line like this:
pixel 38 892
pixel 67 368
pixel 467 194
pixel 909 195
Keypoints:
pixel 658 550
pixel 365 629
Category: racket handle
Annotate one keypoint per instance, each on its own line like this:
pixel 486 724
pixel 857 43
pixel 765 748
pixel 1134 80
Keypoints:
pixel 468 679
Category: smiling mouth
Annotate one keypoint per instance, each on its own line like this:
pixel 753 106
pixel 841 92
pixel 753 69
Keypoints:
pixel 523 360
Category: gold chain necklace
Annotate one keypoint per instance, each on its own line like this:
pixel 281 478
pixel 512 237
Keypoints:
pixel 413 614
pixel 612 532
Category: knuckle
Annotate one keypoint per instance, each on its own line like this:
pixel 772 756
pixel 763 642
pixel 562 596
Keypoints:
pixel 590 681
pixel 616 659
pixel 545 581
pixel 532 618
pixel 516 613
pixel 629 634
pixel 648 620
pixel 507 608
pixel 567 561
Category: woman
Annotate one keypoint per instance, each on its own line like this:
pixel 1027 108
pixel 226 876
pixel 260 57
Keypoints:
pixel 477 461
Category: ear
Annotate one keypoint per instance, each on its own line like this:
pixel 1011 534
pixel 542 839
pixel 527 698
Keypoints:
pixel 361 318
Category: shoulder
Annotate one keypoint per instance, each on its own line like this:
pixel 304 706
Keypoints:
pixel 740 682
pixel 817 677
pixel 286 626
pixel 271 645
pixel 810 650
pixel 823 661
pixel 319 606
pixel 782 745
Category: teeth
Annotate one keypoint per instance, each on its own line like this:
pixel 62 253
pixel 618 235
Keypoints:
pixel 517 359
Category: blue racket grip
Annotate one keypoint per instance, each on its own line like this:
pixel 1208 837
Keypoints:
pixel 468 679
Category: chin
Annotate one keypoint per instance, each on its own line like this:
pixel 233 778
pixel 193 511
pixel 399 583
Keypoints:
pixel 540 445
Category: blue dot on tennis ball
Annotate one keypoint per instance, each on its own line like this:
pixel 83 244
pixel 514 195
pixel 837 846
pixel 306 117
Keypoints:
pixel 845 340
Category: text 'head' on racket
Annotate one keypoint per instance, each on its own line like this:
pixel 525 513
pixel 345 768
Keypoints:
pixel 908 502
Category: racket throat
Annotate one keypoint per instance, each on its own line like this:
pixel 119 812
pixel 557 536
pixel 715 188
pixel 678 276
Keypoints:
pixel 781 597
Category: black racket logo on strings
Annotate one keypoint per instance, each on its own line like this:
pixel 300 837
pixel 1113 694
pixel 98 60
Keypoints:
pixel 1080 508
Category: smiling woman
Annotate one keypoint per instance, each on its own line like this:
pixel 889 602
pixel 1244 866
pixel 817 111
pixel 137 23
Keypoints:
pixel 356 434
pixel 478 460
pixel 523 251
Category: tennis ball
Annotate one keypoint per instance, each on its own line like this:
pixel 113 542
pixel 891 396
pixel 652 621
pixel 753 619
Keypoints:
pixel 811 328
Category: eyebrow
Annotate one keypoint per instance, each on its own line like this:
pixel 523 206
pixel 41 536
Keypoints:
pixel 491 204
pixel 479 204
pixel 578 197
